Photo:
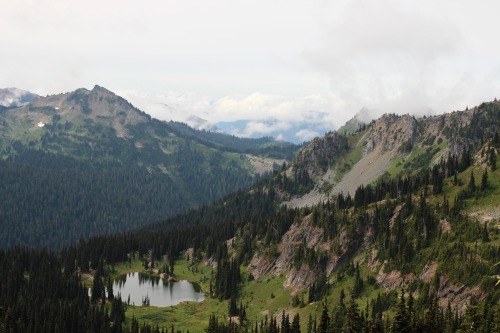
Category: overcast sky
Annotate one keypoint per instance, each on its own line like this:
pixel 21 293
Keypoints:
pixel 254 60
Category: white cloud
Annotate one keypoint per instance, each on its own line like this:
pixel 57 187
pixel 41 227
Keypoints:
pixel 256 60
pixel 306 134
pixel 263 128
pixel 265 113
pixel 404 57
pixel 280 137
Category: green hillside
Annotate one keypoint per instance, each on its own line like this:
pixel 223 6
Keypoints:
pixel 88 162
pixel 415 250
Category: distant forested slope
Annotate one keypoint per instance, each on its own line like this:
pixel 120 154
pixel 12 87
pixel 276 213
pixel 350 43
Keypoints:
pixel 88 162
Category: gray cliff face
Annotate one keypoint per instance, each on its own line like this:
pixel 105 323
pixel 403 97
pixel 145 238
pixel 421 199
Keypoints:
pixel 390 133
pixel 341 162
pixel 303 234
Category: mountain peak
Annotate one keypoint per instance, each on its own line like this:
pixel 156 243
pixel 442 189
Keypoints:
pixel 99 89
pixel 363 117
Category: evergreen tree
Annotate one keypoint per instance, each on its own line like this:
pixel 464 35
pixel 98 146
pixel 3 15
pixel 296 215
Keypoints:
pixel 411 311
pixel 213 325
pixel 324 321
pixel 311 323
pixel 377 325
pixel 472 184
pixel 446 205
pixel 358 283
pixel 401 322
pixel 485 235
pixel 311 293
pixel 97 287
pixel 233 308
pixel 110 289
pixel 296 324
pixel 354 322
pixel 285 323
pixel 432 317
pixel 484 180
pixel 342 299
pixel 493 159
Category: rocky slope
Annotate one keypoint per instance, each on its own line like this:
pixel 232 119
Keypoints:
pixel 397 144
pixel 298 278
pixel 385 142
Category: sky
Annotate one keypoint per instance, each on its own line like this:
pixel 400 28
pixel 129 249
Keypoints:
pixel 274 63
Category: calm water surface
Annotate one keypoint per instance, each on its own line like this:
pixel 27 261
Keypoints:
pixel 160 292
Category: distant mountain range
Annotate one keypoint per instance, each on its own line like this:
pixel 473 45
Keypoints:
pixel 289 131
pixel 197 111
pixel 296 132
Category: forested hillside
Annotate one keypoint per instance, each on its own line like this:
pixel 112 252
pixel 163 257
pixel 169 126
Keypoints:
pixel 87 162
pixel 416 250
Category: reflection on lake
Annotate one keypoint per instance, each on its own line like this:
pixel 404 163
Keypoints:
pixel 159 292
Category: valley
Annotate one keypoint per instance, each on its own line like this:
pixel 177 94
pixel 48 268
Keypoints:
pixel 249 167
pixel 392 227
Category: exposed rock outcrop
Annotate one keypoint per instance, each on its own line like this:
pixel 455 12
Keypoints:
pixel 373 263
pixel 459 297
pixel 390 133
pixel 393 279
pixel 428 272
pixel 300 234
pixel 299 279
pixel 260 265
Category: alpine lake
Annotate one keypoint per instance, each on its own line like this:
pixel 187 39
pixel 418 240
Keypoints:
pixel 142 289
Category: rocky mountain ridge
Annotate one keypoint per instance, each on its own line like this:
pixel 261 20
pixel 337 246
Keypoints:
pixel 391 146
pixel 98 104
pixel 83 113
pixel 382 144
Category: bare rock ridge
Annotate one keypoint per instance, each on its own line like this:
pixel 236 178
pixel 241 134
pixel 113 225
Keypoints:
pixel 387 134
pixel 383 140
pixel 390 133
